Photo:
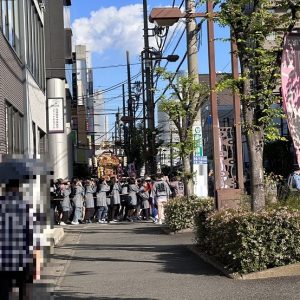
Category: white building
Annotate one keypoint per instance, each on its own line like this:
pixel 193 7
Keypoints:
pixel 101 121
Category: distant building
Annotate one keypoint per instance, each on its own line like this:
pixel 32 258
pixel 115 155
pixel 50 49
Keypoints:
pixel 168 131
pixel 101 122
pixel 83 111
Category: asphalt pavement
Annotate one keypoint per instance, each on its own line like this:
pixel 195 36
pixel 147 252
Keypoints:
pixel 140 261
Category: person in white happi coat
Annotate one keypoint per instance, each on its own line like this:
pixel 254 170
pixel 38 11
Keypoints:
pixel 102 189
pixel 116 189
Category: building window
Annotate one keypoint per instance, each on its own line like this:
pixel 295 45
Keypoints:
pixel 14 130
pixel 9 15
pixel 35 44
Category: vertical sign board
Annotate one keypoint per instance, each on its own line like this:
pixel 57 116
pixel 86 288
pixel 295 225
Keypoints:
pixel 199 163
pixel 290 82
pixel 55 115
pixel 197 133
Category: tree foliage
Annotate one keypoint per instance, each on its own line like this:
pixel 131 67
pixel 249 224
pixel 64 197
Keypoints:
pixel 182 109
pixel 258 28
pixel 254 24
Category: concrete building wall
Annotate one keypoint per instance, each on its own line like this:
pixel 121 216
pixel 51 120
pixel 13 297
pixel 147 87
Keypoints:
pixel 55 38
pixel 82 136
pixel 37 101
pixel 99 119
pixel 11 85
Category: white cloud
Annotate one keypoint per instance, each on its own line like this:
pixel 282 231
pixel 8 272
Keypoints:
pixel 111 28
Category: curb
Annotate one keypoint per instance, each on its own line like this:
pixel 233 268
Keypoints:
pixel 283 271
pixel 57 235
pixel 210 260
pixel 54 235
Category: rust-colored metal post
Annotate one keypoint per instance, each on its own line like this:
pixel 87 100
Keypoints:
pixel 237 120
pixel 213 97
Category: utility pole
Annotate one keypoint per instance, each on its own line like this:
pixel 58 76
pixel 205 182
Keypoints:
pixel 171 150
pixel 130 112
pixel 144 113
pixel 191 36
pixel 124 100
pixel 119 126
pixel 199 184
pixel 149 93
pixel 213 99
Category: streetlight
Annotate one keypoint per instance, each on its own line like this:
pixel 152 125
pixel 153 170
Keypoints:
pixel 147 56
pixel 168 17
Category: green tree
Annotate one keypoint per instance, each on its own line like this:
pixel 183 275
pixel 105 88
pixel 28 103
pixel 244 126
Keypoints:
pixel 182 109
pixel 252 22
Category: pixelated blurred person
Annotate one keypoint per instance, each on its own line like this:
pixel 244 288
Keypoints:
pixel 22 221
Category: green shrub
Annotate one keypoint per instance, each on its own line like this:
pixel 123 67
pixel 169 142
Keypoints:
pixel 247 242
pixel 180 212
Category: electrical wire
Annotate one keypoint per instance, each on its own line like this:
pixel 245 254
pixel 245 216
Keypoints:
pixel 176 46
pixel 172 79
pixel 111 88
pixel 98 138
pixel 94 68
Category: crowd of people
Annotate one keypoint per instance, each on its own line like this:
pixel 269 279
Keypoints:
pixel 111 200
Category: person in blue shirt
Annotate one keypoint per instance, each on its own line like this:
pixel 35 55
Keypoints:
pixel 296 179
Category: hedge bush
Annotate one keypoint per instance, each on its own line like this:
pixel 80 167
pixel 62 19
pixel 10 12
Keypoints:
pixel 180 212
pixel 247 242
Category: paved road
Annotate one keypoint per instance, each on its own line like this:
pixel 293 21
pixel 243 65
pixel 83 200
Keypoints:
pixel 138 261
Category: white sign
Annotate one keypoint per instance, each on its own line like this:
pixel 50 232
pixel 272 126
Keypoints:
pixel 55 115
pixel 200 160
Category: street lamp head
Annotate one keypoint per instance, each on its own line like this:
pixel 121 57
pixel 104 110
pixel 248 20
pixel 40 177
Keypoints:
pixel 172 57
pixel 165 16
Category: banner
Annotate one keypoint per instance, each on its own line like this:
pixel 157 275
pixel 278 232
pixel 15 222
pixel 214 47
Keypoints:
pixel 290 81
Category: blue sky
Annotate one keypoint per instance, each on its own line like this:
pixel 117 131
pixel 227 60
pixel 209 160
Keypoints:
pixel 110 27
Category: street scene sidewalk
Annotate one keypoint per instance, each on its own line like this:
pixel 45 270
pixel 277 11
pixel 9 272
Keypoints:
pixel 140 261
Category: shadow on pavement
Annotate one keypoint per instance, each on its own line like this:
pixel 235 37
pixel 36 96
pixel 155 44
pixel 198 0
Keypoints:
pixel 114 228
pixel 172 259
pixel 69 296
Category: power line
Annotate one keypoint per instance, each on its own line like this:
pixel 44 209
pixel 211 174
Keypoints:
pixel 172 79
pixel 113 87
pixel 94 68
pixel 177 44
